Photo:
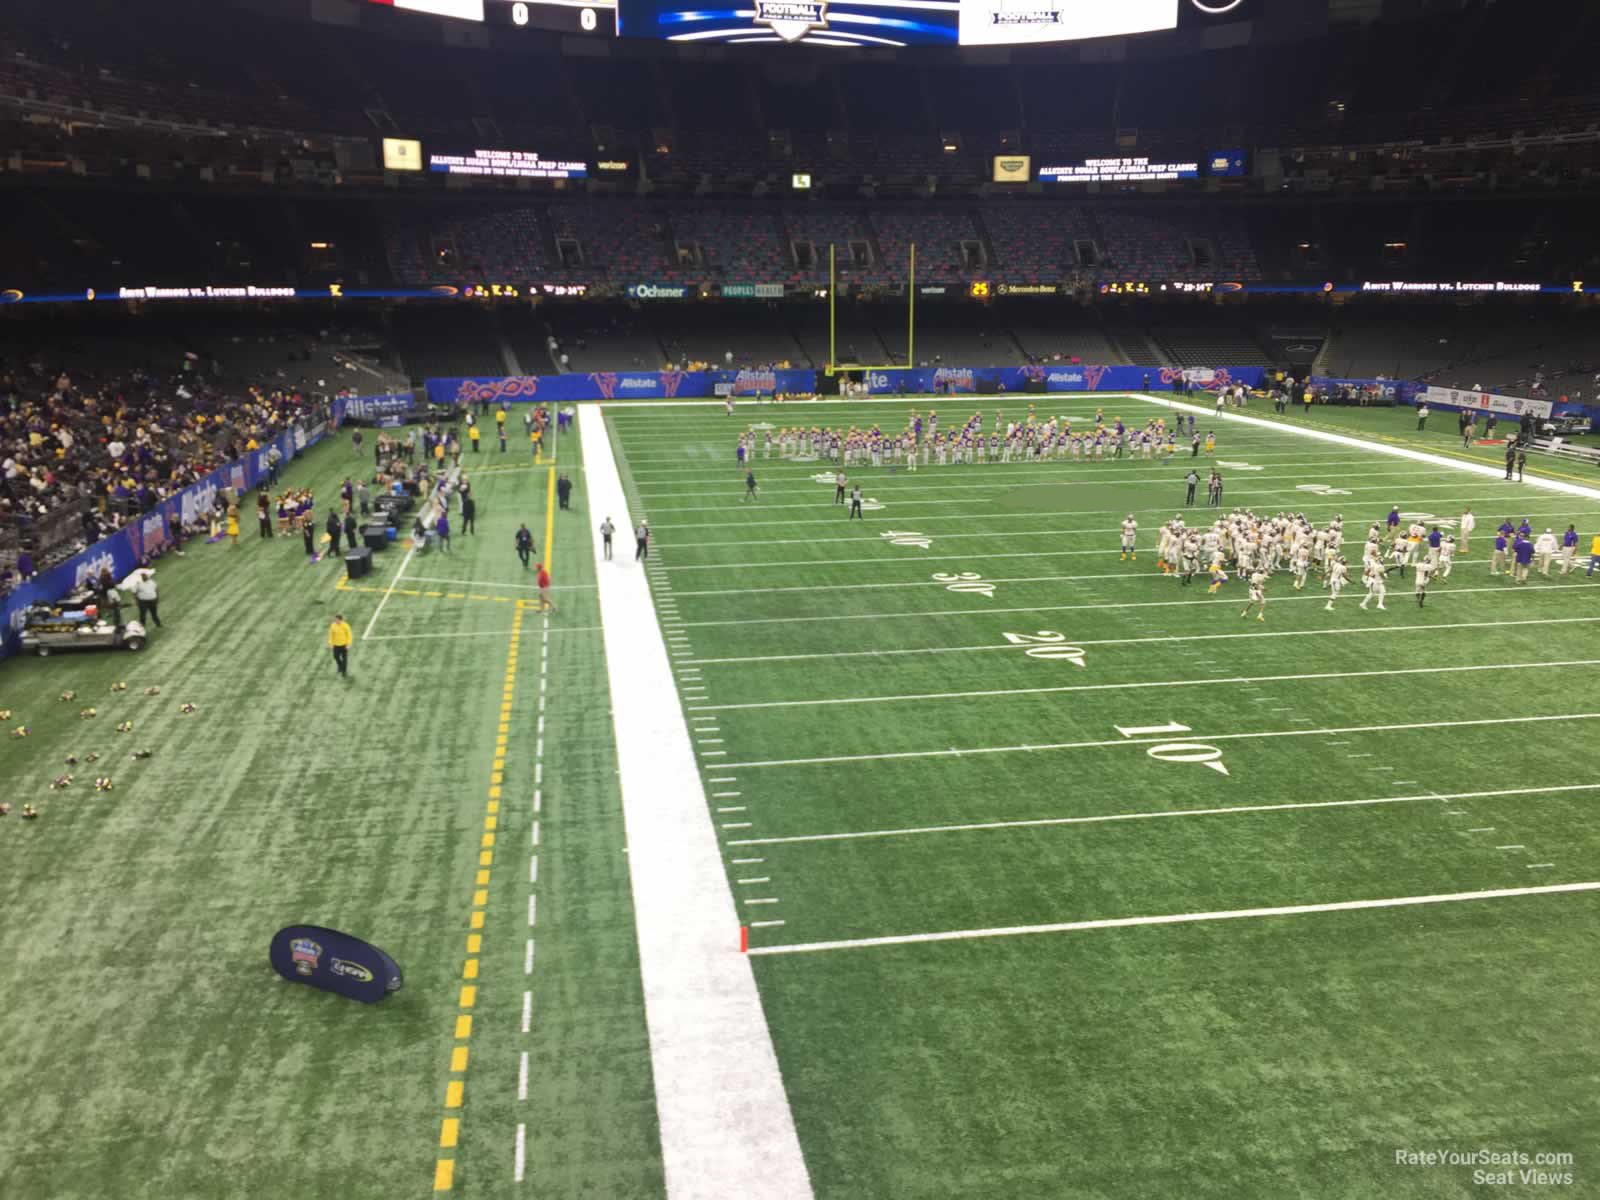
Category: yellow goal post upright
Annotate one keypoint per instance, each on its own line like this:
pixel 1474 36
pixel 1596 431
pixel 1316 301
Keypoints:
pixel 833 366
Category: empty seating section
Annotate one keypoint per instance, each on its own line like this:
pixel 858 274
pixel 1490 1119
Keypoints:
pixel 822 227
pixel 498 246
pixel 938 236
pixel 622 242
pixel 739 247
pixel 1034 243
pixel 1145 247
pixel 1210 345
pixel 1064 340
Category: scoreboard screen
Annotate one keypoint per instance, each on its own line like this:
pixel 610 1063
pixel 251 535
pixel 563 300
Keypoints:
pixel 557 16
pixel 894 22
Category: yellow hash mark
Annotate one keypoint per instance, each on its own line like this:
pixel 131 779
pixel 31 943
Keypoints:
pixel 485 858
pixel 497 777
pixel 470 969
pixel 477 920
pixel 449 1133
pixel 455 596
pixel 458 1059
pixel 499 762
pixel 463 1026
pixel 444 1174
pixel 494 806
pixel 491 822
pixel 482 879
pixel 486 840
pixel 474 943
pixel 469 995
pixel 453 1093
pixel 480 897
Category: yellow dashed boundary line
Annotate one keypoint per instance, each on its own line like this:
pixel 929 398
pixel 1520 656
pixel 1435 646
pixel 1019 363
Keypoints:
pixel 444 1167
pixel 344 585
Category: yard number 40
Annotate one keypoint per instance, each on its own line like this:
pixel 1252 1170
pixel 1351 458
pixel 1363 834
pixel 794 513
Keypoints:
pixel 1175 752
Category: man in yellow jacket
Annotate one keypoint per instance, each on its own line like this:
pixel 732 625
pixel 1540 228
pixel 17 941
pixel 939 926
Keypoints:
pixel 1594 555
pixel 339 639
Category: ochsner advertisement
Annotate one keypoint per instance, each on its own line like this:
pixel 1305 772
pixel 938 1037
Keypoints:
pixel 1007 22
pixel 1513 406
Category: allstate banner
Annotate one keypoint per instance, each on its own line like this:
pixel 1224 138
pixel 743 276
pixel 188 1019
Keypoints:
pixel 1511 406
pixel 1400 391
pixel 1050 378
pixel 144 537
pixel 619 385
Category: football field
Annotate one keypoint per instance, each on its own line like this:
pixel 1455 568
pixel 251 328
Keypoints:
pixel 1059 879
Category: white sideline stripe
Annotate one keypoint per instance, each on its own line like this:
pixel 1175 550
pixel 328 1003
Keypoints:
pixel 1188 737
pixel 1159 814
pixel 726 1127
pixel 1291 910
pixel 1198 637
pixel 1483 470
pixel 1173 683
pixel 519 1165
pixel 387 592
pixel 1499 589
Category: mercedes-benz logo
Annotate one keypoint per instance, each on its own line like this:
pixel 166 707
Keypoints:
pixel 1215 8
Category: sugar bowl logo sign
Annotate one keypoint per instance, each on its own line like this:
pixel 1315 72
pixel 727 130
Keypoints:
pixel 304 953
pixel 792 19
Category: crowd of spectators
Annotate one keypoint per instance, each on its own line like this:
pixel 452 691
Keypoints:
pixel 82 456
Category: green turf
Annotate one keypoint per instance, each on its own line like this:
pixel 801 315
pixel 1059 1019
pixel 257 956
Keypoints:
pixel 152 1053
pixel 151 1050
pixel 1281 1057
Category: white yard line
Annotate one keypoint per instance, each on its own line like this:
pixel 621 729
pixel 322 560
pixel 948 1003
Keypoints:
pixel 1290 910
pixel 1194 737
pixel 1009 480
pixel 1210 681
pixel 389 591
pixel 1196 637
pixel 1482 470
pixel 1000 514
pixel 726 1127
pixel 1160 814
pixel 1318 598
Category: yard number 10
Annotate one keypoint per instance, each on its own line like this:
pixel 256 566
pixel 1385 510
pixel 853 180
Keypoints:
pixel 1175 752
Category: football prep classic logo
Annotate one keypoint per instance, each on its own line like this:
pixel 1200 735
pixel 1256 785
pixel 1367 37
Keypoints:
pixel 792 19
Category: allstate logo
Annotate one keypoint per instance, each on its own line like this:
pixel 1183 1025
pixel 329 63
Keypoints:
pixel 198 500
pixel 755 381
pixel 878 381
pixel 792 19
pixel 634 383
pixel 90 569
pixel 958 379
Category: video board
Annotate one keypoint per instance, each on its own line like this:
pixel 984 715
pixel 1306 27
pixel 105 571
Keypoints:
pixel 895 22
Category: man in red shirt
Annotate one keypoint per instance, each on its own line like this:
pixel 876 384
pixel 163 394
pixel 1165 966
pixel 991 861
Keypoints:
pixel 545 603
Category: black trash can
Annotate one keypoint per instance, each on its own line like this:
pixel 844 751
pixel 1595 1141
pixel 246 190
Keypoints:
pixel 358 562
